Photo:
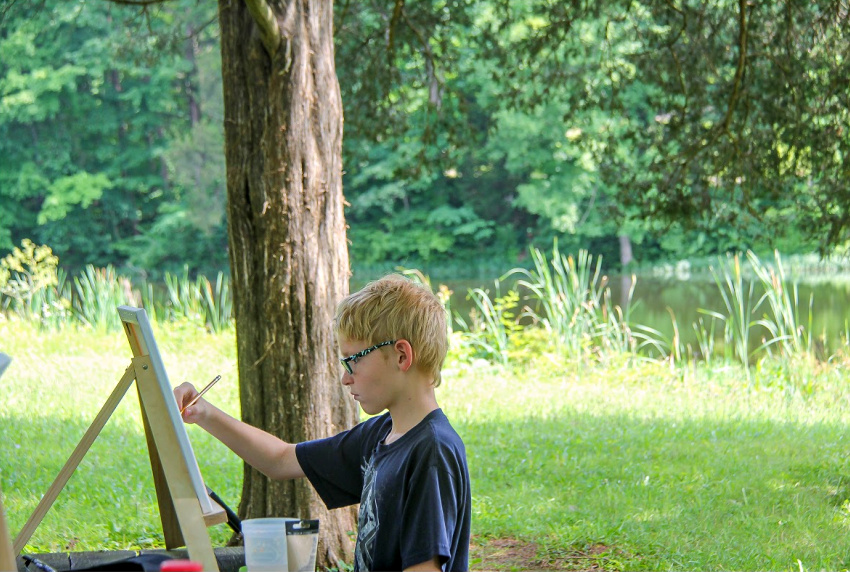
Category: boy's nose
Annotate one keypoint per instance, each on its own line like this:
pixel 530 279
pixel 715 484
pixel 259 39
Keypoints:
pixel 346 378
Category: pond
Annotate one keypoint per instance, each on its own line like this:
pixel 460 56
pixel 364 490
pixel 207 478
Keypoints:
pixel 657 300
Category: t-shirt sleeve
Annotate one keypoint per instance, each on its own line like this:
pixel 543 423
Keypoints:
pixel 332 466
pixel 430 511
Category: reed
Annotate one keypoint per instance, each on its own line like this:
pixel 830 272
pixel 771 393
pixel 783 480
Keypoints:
pixel 216 302
pixel 656 345
pixel 491 324
pixel 55 303
pixel 49 306
pixel 199 301
pixel 150 303
pixel 98 292
pixel 183 297
pixel 706 336
pixel 782 323
pixel 740 306
pixel 568 295
pixel 616 334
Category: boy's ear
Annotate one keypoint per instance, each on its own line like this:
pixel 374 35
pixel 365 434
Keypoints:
pixel 404 353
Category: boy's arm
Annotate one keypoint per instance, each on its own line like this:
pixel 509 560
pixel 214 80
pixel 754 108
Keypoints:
pixel 427 566
pixel 271 456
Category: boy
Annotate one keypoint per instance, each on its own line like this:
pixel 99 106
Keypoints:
pixel 407 468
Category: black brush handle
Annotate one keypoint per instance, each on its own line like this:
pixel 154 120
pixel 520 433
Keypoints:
pixel 232 518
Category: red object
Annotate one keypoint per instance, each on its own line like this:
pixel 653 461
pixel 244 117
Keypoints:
pixel 180 566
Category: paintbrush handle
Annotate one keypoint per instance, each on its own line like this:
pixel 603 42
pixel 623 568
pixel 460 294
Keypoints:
pixel 200 394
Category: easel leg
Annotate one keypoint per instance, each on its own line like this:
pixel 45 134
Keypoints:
pixel 174 466
pixel 7 557
pixel 167 515
pixel 74 460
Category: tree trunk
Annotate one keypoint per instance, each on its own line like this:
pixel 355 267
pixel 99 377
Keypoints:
pixel 626 256
pixel 289 261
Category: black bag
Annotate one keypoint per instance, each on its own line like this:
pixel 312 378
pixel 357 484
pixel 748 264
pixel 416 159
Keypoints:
pixel 143 562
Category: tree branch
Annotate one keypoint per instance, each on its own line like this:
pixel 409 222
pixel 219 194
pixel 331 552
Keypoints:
pixel 430 65
pixel 266 22
pixel 399 5
pixel 742 63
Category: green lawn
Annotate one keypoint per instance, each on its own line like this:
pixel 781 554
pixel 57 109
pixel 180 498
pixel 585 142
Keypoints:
pixel 628 466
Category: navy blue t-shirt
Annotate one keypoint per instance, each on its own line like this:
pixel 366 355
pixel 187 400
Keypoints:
pixel 414 493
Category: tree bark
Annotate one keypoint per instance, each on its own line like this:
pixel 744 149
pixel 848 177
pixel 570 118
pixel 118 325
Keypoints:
pixel 288 255
pixel 626 256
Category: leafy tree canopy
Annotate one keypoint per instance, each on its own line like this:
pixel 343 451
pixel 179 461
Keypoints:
pixel 473 129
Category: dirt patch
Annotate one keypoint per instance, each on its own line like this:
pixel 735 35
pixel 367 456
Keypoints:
pixel 511 554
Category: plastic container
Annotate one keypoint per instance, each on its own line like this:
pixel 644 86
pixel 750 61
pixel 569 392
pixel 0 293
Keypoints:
pixel 265 544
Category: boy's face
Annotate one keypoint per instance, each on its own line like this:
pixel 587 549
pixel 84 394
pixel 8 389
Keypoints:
pixel 372 378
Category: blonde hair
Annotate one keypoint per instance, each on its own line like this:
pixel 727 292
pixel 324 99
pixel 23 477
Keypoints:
pixel 396 308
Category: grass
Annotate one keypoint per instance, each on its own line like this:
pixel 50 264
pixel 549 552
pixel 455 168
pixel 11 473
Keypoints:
pixel 637 465
pixel 701 475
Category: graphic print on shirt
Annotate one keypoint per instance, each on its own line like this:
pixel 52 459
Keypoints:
pixel 368 519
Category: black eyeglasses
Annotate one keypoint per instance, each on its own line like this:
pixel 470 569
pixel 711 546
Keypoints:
pixel 353 358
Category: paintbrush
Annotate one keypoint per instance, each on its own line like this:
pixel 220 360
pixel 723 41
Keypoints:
pixel 201 394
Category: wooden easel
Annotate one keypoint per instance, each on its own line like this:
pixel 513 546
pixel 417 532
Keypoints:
pixel 7 557
pixel 185 508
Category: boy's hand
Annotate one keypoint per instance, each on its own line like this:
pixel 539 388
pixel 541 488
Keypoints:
pixel 184 394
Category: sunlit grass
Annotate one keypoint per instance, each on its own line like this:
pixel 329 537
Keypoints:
pixel 675 474
pixel 686 469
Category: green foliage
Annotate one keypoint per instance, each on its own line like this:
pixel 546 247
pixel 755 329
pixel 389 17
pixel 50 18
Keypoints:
pixel 472 128
pixel 93 97
pixel 77 189
pixel 184 296
pixel 733 148
pixel 33 286
pixel 706 336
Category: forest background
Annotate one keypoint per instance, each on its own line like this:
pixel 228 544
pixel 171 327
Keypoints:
pixel 480 130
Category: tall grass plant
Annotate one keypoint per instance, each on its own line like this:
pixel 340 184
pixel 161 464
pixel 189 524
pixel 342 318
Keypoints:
pixel 491 324
pixel 566 297
pixel 740 303
pixel 783 322
pixel 99 291
pixel 34 289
